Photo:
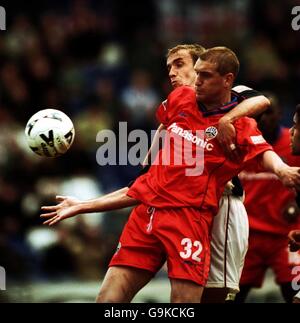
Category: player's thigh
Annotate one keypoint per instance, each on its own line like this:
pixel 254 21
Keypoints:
pixel 237 242
pixel 228 245
pixel 185 291
pixel 121 284
pixel 184 234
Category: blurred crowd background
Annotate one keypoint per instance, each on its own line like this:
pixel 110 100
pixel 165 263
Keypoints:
pixel 102 62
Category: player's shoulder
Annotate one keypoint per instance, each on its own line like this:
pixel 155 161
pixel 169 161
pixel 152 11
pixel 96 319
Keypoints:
pixel 182 92
pixel 182 98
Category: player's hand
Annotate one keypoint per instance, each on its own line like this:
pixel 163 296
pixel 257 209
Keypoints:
pixel 227 138
pixel 294 240
pixel 66 208
pixel 290 176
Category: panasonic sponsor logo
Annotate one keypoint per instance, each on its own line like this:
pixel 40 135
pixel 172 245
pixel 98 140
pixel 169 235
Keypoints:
pixel 188 135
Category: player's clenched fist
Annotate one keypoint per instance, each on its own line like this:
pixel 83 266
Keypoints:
pixel 294 240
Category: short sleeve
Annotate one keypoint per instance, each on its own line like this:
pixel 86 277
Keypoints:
pixel 181 99
pixel 244 92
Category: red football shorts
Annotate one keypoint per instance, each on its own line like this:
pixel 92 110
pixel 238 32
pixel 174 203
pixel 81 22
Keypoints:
pixel 180 236
pixel 268 251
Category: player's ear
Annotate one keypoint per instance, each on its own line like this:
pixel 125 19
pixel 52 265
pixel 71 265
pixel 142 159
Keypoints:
pixel 228 80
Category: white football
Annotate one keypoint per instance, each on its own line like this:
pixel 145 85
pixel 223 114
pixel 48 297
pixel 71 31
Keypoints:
pixel 49 133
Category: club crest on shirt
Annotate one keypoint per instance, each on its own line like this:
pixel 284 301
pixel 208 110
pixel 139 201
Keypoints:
pixel 211 133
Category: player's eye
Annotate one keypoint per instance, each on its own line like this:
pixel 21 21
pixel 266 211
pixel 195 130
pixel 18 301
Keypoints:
pixel 205 75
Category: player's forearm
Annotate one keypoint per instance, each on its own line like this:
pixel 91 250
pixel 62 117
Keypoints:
pixel 117 193
pixel 112 201
pixel 154 146
pixel 247 108
pixel 273 163
pixel 289 176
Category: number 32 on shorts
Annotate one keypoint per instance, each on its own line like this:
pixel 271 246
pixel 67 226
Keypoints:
pixel 188 249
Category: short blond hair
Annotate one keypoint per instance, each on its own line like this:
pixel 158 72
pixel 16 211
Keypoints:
pixel 194 50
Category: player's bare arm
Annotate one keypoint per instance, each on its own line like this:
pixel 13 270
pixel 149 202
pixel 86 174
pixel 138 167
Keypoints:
pixel 250 107
pixel 69 206
pixel 289 176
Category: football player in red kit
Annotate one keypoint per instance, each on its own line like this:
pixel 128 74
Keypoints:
pixel 230 229
pixel 272 213
pixel 179 199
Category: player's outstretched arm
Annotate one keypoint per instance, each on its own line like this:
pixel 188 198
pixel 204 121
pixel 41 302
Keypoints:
pixel 289 176
pixel 68 206
pixel 250 107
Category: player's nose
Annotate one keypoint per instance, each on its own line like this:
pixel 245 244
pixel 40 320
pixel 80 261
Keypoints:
pixel 172 72
pixel 198 82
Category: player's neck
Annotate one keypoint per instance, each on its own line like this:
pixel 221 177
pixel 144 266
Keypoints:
pixel 218 101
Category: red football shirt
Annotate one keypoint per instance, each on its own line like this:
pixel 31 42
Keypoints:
pixel 194 129
pixel 267 200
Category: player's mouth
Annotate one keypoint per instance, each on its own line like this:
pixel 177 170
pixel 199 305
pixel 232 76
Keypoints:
pixel 174 83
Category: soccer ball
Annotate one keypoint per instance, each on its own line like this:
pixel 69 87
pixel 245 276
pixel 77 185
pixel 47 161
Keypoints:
pixel 49 133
